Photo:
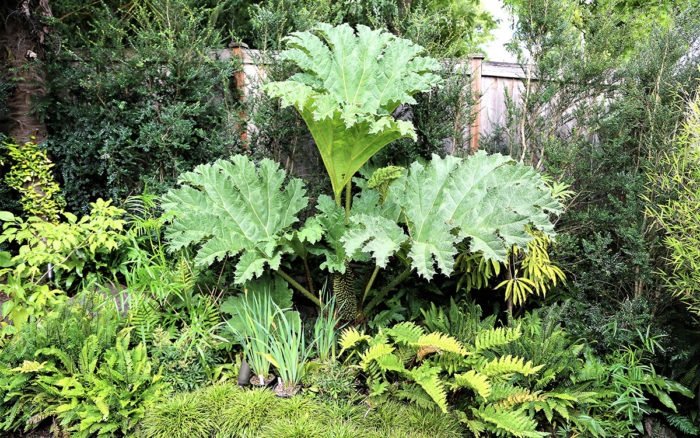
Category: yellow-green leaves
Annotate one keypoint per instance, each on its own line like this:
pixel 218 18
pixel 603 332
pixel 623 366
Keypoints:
pixel 351 82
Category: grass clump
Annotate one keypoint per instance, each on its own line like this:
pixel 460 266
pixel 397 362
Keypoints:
pixel 226 411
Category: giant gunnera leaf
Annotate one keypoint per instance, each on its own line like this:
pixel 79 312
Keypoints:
pixel 233 207
pixel 350 83
pixel 490 200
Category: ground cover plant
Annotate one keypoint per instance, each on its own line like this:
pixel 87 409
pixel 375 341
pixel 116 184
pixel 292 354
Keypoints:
pixel 403 291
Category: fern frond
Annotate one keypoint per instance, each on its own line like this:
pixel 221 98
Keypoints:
pixel 350 338
pixel 375 352
pixel 476 381
pixel 405 332
pixel 30 366
pixel 438 343
pixel 417 395
pixel 508 365
pixel 390 362
pixel 518 397
pixel 428 379
pixel 496 337
pixel 504 423
pixel 475 426
pixel 683 424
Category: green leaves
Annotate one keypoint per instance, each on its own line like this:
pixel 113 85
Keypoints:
pixel 350 84
pixel 487 199
pixel 231 208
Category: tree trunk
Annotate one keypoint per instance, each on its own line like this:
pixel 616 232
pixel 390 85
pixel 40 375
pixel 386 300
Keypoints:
pixel 22 37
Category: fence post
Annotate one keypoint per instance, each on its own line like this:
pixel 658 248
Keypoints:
pixel 237 49
pixel 476 62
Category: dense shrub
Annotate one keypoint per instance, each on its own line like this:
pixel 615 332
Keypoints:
pixel 137 96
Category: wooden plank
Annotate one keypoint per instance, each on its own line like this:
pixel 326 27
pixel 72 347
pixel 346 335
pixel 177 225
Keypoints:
pixel 503 70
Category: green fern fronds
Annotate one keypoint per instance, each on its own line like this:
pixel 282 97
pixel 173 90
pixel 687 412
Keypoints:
pixel 438 343
pixel 350 338
pixel 405 332
pixel 683 424
pixel 520 396
pixel 374 352
pixel 475 426
pixel 493 338
pixel 507 365
pixel 474 380
pixel 428 379
pixel 144 318
pixel 506 423
pixel 390 362
pixel 417 395
pixel 30 366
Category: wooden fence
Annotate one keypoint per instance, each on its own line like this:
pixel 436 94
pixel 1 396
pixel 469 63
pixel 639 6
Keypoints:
pixel 489 80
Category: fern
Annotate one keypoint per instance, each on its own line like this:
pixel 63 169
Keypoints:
pixel 518 396
pixel 507 365
pixel 476 381
pixel 405 332
pixel 428 379
pixel 490 339
pixel 30 366
pixel 504 423
pixel 350 338
pixel 683 424
pixel 374 352
pixel 144 318
pixel 416 394
pixel 438 343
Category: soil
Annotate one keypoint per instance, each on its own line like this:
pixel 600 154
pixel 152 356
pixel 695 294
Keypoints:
pixel 255 381
pixel 286 392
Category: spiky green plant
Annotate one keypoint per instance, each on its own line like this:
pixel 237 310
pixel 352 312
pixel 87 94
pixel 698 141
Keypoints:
pixel 287 349
pixel 255 334
pixel 326 327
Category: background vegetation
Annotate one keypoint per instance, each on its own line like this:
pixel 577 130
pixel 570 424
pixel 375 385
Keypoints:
pixel 592 332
